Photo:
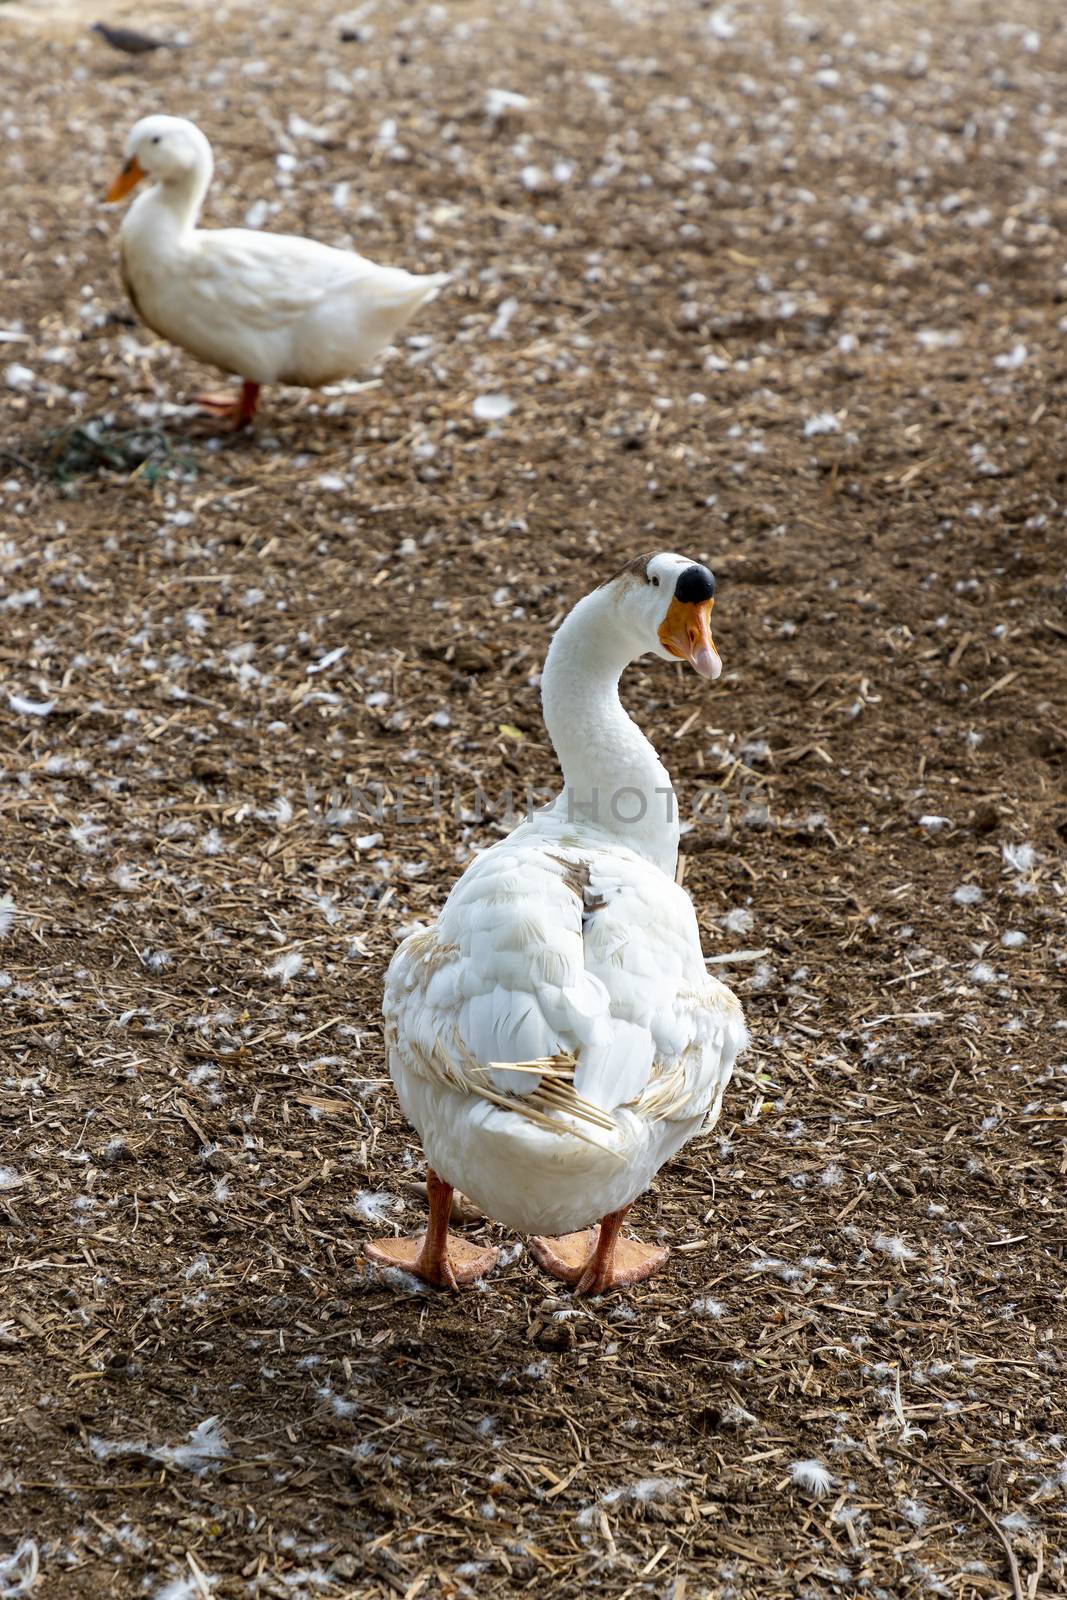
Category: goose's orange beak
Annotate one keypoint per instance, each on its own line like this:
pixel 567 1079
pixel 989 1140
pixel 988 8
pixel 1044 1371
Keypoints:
pixel 127 180
pixel 686 633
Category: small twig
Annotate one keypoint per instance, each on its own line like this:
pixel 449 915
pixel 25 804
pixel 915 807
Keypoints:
pixel 199 1575
pixel 734 956
pixel 976 1505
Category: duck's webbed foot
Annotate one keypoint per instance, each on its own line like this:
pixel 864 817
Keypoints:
pixel 598 1259
pixel 445 1262
pixel 237 408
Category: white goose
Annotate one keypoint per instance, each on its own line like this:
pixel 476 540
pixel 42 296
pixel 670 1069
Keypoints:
pixel 268 307
pixel 556 1037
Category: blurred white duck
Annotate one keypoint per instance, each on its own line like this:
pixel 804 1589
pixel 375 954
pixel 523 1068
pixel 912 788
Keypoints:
pixel 270 308
pixel 556 1037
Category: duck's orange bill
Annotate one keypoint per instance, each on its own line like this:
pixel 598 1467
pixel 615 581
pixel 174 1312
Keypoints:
pixel 686 633
pixel 127 180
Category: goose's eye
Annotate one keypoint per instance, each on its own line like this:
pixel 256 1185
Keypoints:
pixel 155 138
pixel 655 583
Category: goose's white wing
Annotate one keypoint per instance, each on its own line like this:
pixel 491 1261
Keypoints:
pixel 544 951
pixel 642 943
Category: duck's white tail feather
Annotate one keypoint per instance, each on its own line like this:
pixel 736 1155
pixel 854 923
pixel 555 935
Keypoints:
pixel 381 305
pixel 616 1071
pixel 394 291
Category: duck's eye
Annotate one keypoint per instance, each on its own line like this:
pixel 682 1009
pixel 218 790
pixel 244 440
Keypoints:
pixel 156 138
pixel 655 583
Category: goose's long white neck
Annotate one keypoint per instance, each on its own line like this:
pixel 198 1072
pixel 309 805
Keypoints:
pixel 613 781
pixel 171 209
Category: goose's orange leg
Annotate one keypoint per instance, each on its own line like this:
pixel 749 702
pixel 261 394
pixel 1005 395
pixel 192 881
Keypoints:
pixel 598 1259
pixel 240 407
pixel 444 1262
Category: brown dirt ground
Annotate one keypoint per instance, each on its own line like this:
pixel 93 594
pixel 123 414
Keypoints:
pixel 831 212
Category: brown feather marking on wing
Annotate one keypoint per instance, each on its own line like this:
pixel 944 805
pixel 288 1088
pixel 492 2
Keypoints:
pixel 576 875
pixel 431 952
pixel 579 879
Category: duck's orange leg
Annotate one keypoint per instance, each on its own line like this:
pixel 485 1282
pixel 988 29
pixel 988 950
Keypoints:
pixel 598 1259
pixel 240 407
pixel 433 1256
